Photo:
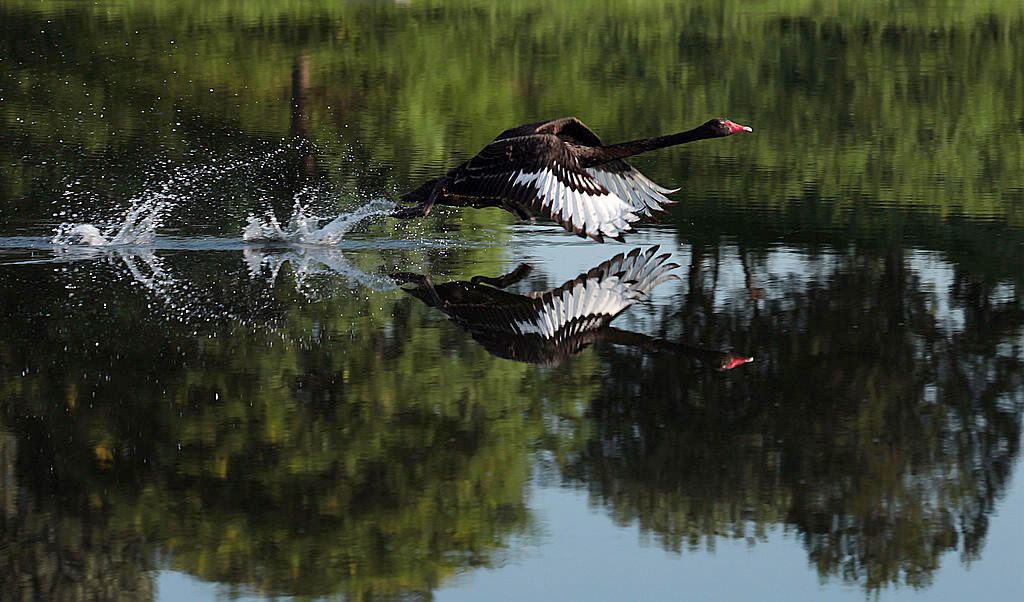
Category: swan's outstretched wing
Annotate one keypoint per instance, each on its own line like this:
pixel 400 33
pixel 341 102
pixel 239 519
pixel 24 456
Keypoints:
pixel 626 182
pixel 540 173
pixel 568 129
pixel 618 177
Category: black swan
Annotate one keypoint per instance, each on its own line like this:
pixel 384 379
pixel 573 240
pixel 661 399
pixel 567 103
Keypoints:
pixel 546 327
pixel 562 170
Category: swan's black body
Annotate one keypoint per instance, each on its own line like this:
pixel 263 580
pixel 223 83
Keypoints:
pixel 562 170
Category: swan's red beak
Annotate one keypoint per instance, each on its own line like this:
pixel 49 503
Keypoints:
pixel 735 360
pixel 735 127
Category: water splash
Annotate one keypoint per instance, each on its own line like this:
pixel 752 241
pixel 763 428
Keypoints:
pixel 79 234
pixel 305 228
pixel 164 189
pixel 138 226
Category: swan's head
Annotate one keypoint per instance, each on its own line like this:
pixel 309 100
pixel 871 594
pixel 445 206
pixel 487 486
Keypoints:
pixel 724 127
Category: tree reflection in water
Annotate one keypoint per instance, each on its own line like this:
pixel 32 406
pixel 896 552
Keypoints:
pixel 872 430
pixel 349 442
pixel 263 450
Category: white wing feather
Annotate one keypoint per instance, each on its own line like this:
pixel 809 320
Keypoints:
pixel 596 214
pixel 634 188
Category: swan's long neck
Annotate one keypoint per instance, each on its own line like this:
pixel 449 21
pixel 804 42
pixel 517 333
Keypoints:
pixel 595 155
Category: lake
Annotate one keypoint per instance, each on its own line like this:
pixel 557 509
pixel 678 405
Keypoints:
pixel 226 373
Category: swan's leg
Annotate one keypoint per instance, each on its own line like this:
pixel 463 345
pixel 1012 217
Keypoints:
pixel 423 208
pixel 507 280
pixel 521 213
pixel 438 189
pixel 408 212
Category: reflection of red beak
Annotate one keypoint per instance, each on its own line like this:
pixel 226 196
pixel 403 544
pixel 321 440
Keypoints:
pixel 735 360
pixel 735 127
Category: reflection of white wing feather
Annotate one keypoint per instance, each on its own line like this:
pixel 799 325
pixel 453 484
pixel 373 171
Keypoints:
pixel 594 298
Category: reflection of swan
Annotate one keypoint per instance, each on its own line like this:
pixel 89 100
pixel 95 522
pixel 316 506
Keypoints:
pixel 547 327
pixel 562 170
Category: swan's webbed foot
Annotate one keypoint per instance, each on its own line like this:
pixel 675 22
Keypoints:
pixel 423 208
pixel 410 278
pixel 511 278
pixel 420 210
